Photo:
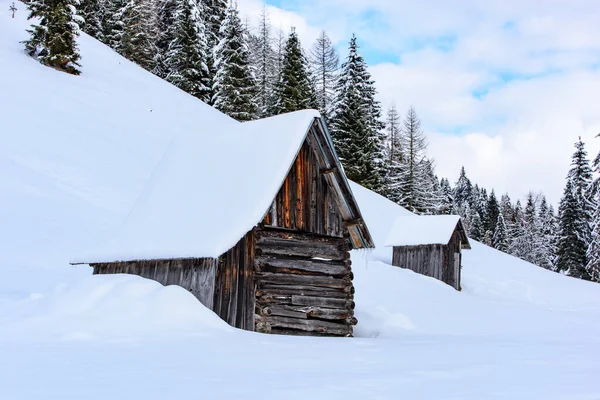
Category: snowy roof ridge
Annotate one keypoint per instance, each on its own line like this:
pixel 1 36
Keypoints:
pixel 415 230
pixel 185 213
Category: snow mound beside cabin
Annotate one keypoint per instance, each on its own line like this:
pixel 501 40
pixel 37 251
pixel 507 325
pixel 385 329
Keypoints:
pixel 107 307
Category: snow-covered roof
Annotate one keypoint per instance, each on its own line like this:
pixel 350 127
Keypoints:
pixel 415 230
pixel 212 187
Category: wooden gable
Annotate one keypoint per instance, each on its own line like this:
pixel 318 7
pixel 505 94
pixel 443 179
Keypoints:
pixel 315 195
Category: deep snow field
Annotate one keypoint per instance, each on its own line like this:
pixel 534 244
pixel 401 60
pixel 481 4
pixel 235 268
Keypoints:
pixel 75 153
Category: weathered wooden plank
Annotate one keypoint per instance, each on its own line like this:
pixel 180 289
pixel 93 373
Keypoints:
pixel 312 312
pixel 302 266
pixel 303 280
pixel 308 325
pixel 294 332
pixel 298 290
pixel 326 302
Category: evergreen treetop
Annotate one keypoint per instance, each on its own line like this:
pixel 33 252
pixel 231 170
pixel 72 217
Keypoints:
pixel 235 87
pixel 294 90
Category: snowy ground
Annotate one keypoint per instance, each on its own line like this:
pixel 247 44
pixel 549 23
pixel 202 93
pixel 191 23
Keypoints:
pixel 514 332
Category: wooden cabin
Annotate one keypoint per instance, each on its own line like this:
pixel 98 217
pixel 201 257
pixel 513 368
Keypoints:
pixel 256 221
pixel 430 245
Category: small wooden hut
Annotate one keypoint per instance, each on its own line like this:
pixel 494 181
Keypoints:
pixel 430 245
pixel 256 220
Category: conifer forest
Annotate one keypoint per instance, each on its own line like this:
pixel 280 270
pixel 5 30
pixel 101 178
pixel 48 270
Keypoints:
pixel 248 69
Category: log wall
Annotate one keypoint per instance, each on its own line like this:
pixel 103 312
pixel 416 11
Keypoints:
pixel 303 284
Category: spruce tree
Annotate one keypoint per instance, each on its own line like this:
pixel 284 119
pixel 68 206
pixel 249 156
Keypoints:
pixel 394 156
pixel 447 200
pixel 581 176
pixel 165 31
pixel 506 208
pixel 571 246
pixel 325 62
pixel 265 65
pixel 235 87
pixel 92 13
pixel 593 251
pixel 500 238
pixel 492 209
pixel 53 39
pixel 113 23
pixel 294 90
pixel 355 127
pixel 476 231
pixel 462 190
pixel 213 14
pixel 517 232
pixel 186 57
pixel 547 228
pixel 137 40
pixel 416 178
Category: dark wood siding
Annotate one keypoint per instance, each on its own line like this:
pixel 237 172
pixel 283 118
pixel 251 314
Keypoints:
pixel 305 201
pixel 435 260
pixel 195 274
pixel 234 285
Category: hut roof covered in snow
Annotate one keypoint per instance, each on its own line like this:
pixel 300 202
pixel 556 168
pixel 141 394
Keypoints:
pixel 213 185
pixel 416 230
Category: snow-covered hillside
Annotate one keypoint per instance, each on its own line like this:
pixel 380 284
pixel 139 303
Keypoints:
pixel 75 153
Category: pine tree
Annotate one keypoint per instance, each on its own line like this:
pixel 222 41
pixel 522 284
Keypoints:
pixel 500 238
pixel 571 246
pixel 447 200
pixel 529 245
pixel 463 190
pixel 355 123
pixel 165 32
pixel 325 62
pixel 294 90
pixel 113 23
pixel 581 177
pixel 235 87
pixel 394 156
pixel 506 208
pixel 593 251
pixel 546 252
pixel 53 39
pixel 92 13
pixel 137 40
pixel 415 196
pixel 213 12
pixel 476 231
pixel 430 202
pixel 492 209
pixel 186 57
pixel 265 62
pixel 516 232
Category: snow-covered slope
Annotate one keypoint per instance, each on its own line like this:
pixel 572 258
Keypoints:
pixel 75 153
